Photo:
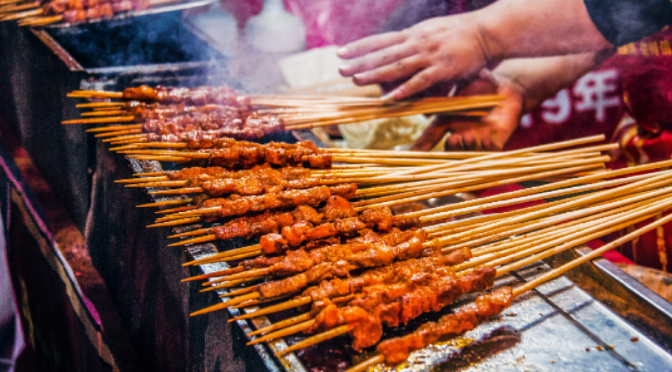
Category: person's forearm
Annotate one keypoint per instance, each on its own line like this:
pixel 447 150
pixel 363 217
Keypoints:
pixel 525 28
pixel 541 78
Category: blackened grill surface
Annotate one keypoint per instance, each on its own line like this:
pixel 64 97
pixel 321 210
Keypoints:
pixel 145 40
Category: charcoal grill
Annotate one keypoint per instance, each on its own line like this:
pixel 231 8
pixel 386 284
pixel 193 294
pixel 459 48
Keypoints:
pixel 595 318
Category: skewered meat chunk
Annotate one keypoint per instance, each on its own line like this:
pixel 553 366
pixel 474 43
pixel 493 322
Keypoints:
pixel 197 96
pixel 399 271
pixel 229 153
pixel 262 171
pixel 266 223
pixel 186 173
pixel 398 349
pixel 327 258
pixel 236 205
pixel 258 180
pixel 297 234
pixel 399 303
pixel 197 125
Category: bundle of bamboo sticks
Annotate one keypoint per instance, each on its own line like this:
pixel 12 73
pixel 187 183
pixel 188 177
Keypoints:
pixel 295 112
pixel 517 291
pixel 508 241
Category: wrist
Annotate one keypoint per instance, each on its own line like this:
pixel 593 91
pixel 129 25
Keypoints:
pixel 491 46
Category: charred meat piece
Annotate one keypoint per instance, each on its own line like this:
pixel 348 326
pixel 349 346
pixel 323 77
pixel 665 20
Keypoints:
pixel 398 349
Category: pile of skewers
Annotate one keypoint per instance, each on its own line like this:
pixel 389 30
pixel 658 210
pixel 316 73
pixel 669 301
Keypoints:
pixel 203 114
pixel 41 13
pixel 329 243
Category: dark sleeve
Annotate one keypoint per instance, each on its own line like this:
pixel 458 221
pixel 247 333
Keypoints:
pixel 625 21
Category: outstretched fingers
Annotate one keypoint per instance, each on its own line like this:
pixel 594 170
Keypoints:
pixel 419 82
pixel 370 44
pixel 392 72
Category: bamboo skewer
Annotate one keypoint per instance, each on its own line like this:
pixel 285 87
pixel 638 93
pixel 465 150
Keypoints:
pixel 389 200
pixel 643 214
pixel 495 256
pixel 516 229
pixel 11 7
pixel 438 216
pixel 553 274
pixel 24 14
pixel 547 147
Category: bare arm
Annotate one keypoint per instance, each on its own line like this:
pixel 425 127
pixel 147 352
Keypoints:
pixel 458 47
pixel 541 78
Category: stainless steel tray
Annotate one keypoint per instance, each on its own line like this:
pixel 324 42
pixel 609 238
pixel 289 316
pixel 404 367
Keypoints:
pixel 596 318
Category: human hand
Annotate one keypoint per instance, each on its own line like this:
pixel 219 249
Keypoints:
pixel 436 50
pixel 487 133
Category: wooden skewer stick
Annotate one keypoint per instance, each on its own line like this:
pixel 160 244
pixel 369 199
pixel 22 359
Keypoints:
pixel 275 308
pixel 226 304
pixel 232 252
pixel 124 138
pixel 537 189
pixel 202 239
pixel 185 190
pixel 497 182
pixel 191 233
pixel 244 290
pixel 112 134
pixel 143 180
pixel 550 233
pixel 16 8
pixel 113 128
pixel 282 324
pixel 177 145
pixel 183 221
pixel 564 242
pixel 592 255
pixel 224 255
pixel 105 120
pixel 99 104
pixel 228 284
pixel 491 234
pixel 127 147
pixel 6 2
pixel 547 147
pixel 160 158
pixel 472 184
pixel 245 274
pixel 100 94
pixel 165 203
pixel 215 274
pixel 129 142
pixel 318 338
pixel 526 260
pixel 178 209
pixel 533 197
pixel 236 283
pixel 284 332
pixel 41 21
pixel 554 273
pixel 162 184
pixel 197 212
pixel 25 14
pixel 104 113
